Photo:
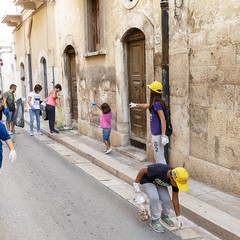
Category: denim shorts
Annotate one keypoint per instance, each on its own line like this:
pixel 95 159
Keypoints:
pixel 10 117
pixel 106 134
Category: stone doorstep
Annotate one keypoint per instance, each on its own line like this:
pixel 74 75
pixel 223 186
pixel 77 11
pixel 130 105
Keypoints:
pixel 214 220
pixel 130 151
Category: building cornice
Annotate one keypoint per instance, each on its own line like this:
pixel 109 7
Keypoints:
pixel 30 4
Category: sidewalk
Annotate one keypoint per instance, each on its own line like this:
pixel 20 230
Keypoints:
pixel 214 210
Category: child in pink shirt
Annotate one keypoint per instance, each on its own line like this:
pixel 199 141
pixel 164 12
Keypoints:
pixel 106 125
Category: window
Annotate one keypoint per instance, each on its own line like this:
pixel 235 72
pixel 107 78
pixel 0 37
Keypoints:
pixel 94 25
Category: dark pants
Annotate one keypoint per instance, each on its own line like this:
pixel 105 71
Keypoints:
pixel 1 160
pixel 50 110
pixel 1 112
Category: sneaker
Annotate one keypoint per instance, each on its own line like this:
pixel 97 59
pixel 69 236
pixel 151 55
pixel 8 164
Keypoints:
pixel 31 133
pixel 10 132
pixel 167 220
pixel 156 226
pixel 108 151
pixel 40 134
pixel 56 131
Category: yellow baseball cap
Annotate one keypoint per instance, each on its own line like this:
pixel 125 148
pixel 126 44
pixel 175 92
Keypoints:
pixel 156 86
pixel 180 175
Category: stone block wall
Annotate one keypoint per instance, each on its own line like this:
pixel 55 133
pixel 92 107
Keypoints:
pixel 210 73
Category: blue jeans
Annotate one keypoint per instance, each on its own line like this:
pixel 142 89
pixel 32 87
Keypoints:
pixel 37 114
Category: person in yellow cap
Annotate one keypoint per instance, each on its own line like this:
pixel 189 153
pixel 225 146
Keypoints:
pixel 155 179
pixel 157 120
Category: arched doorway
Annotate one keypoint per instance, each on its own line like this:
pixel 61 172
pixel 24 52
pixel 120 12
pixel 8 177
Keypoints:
pixel 136 63
pixel 43 73
pixel 70 70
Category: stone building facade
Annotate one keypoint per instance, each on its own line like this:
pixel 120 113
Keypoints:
pixel 108 51
pixel 204 74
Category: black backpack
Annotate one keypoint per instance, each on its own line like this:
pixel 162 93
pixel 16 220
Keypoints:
pixel 167 114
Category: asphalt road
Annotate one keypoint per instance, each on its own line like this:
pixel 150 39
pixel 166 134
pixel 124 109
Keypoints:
pixel 45 197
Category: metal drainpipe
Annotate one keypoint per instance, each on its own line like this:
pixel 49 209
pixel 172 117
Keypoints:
pixel 165 61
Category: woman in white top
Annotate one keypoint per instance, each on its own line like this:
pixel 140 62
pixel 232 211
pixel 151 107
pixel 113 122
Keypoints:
pixel 34 104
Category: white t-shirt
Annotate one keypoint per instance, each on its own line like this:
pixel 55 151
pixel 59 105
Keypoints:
pixel 35 99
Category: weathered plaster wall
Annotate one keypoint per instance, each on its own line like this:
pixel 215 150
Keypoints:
pixel 209 82
pixel 69 21
pixel 118 20
pixel 98 75
pixel 20 48
pixel 43 25
pixel 38 40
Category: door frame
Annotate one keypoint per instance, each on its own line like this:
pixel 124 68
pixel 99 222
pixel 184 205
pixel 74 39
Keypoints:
pixel 44 79
pixel 70 50
pixel 140 21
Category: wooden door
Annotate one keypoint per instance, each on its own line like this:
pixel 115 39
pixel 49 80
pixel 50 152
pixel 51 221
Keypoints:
pixel 73 86
pixel 137 85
